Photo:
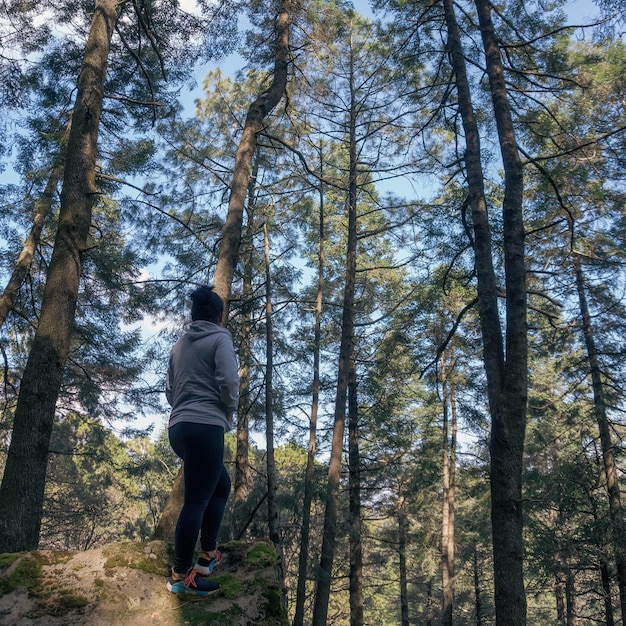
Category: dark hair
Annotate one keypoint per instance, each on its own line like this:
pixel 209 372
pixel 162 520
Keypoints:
pixel 206 305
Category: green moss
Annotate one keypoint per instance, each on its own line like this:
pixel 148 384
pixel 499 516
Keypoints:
pixel 261 554
pixel 134 555
pixel 196 614
pixel 26 574
pixel 8 558
pixel 230 585
pixel 59 604
pixel 275 608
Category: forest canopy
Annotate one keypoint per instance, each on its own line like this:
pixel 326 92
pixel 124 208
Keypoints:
pixel 416 215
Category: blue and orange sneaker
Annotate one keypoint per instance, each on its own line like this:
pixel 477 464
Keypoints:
pixel 207 562
pixel 193 584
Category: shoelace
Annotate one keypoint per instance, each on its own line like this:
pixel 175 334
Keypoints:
pixel 190 581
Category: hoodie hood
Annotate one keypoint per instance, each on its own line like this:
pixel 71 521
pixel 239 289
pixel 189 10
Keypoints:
pixel 201 328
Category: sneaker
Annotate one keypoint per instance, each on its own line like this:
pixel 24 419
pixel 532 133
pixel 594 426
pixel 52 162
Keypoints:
pixel 207 563
pixel 193 584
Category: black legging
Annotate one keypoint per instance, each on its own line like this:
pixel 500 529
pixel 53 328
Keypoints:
pixel 207 486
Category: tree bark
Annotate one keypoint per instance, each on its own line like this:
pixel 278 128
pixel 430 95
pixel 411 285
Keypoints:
pixel 23 483
pixel 242 454
pixel 42 207
pixel 478 604
pixel 506 371
pixel 303 557
pixel 403 531
pixel 616 512
pixel 354 463
pixel 605 577
pixel 509 388
pixel 272 488
pixel 166 527
pixel 570 594
pixel 346 355
pixel 254 124
pixel 448 472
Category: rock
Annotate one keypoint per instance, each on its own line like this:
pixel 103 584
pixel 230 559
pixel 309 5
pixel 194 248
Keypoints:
pixel 124 584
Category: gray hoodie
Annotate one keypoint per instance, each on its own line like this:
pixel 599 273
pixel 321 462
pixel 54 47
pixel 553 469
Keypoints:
pixel 202 384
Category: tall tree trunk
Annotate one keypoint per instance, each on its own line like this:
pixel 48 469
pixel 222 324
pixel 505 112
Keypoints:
pixel 559 592
pixel 303 557
pixel 354 463
pixel 429 608
pixel 242 454
pixel 23 483
pixel 506 375
pixel 478 604
pixel 608 456
pixel 228 255
pixel 346 355
pixel 609 620
pixel 603 565
pixel 403 531
pixel 254 124
pixel 508 388
pixel 272 505
pixel 449 462
pixel 166 527
pixel 570 594
pixel 42 208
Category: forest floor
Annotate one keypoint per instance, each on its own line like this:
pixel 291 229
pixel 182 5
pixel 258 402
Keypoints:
pixel 125 584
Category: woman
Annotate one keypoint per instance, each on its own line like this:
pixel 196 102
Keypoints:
pixel 202 388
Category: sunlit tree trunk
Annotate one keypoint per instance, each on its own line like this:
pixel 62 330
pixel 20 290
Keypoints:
pixel 608 455
pixel 242 453
pixel 506 369
pixel 346 355
pixel 303 557
pixel 272 504
pixel 448 463
pixel 42 209
pixel 254 124
pixel 23 483
pixel 356 547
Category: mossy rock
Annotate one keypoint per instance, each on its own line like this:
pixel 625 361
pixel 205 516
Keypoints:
pixel 26 572
pixel 124 584
pixel 261 554
pixel 150 557
pixel 196 613
pixel 23 571
pixel 231 586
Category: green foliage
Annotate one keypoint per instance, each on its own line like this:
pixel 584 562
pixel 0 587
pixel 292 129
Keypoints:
pixel 415 277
